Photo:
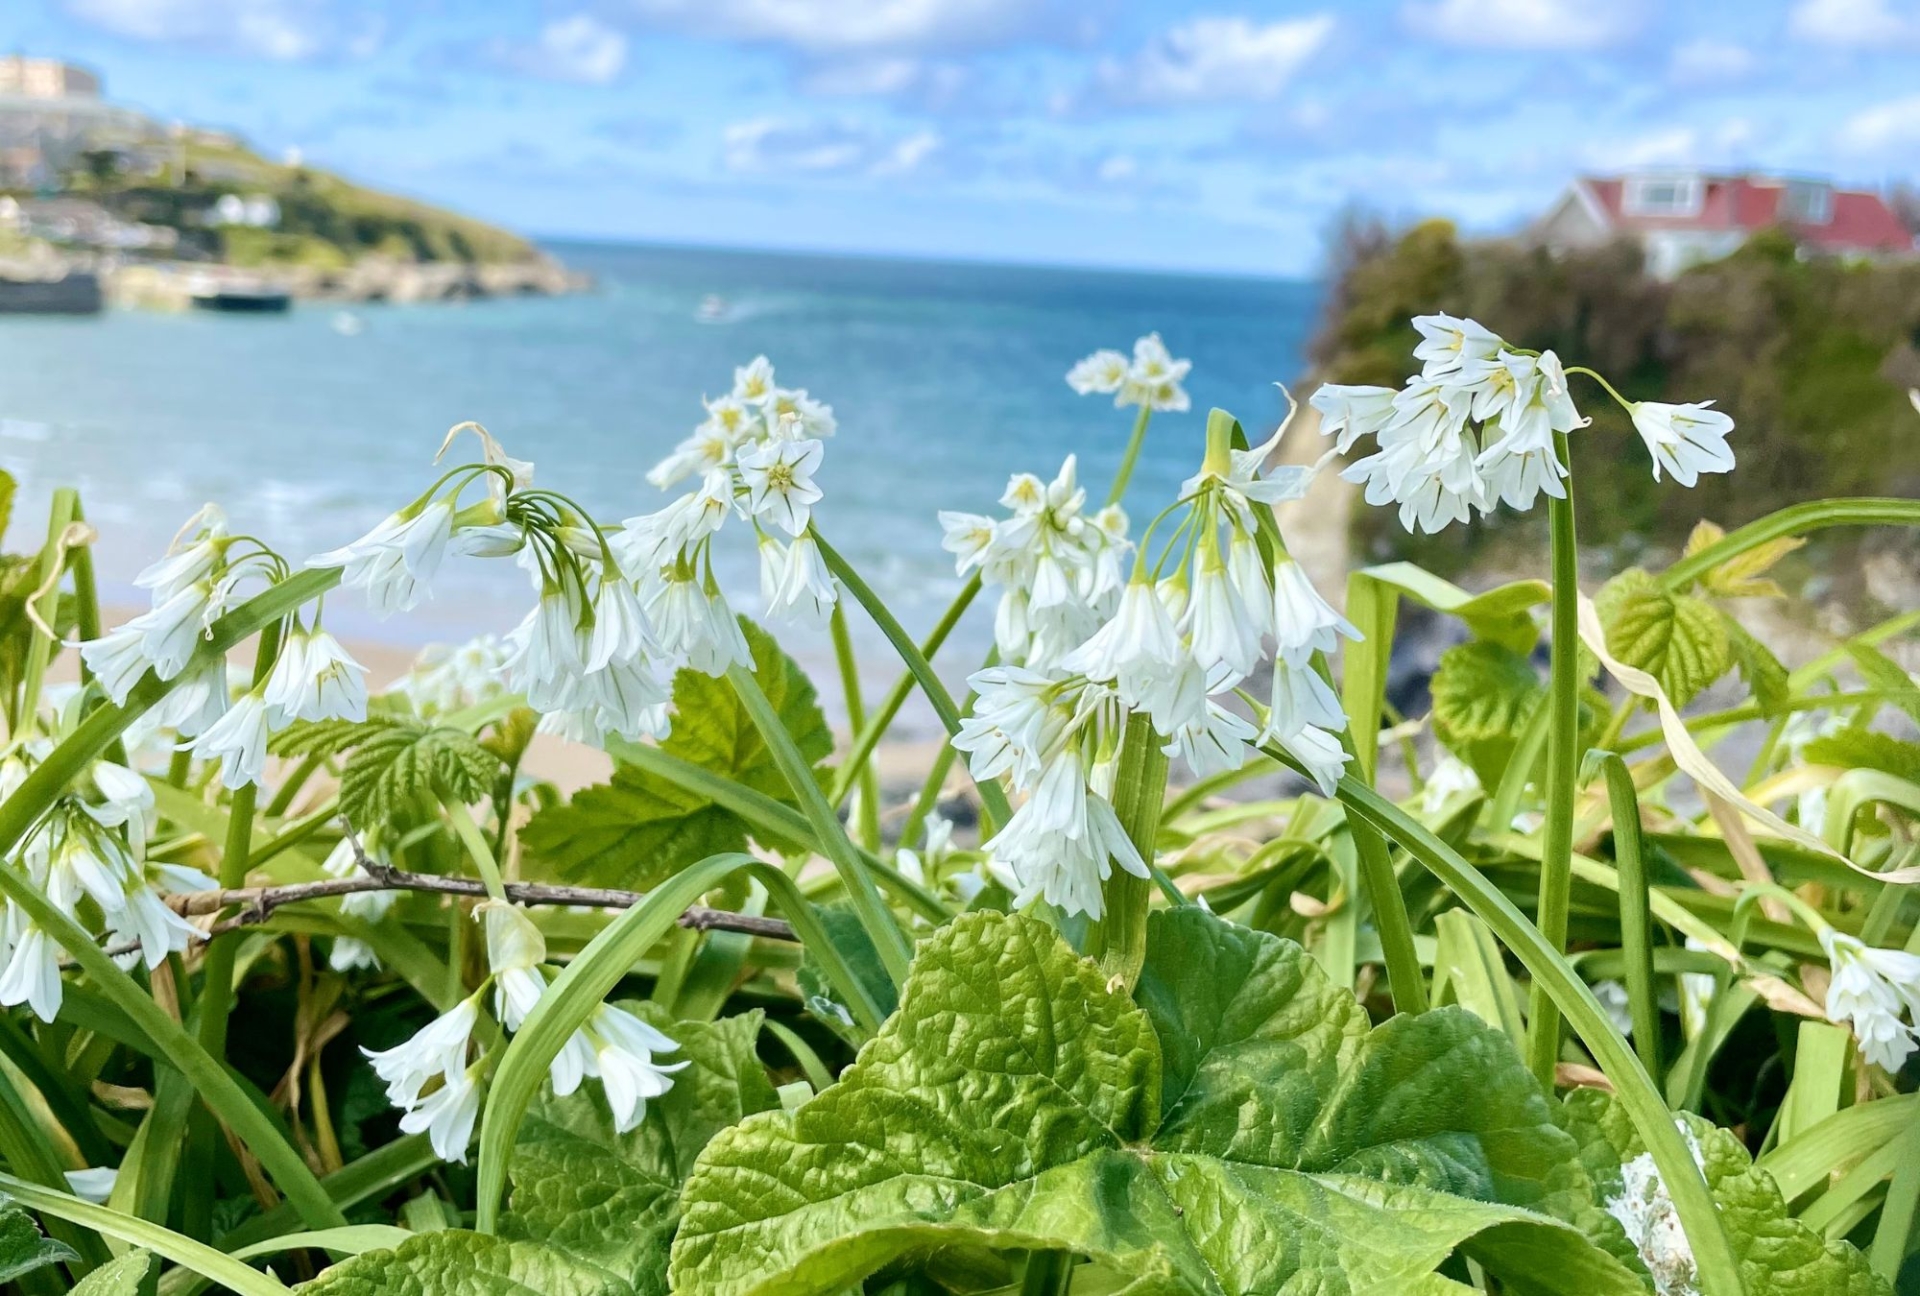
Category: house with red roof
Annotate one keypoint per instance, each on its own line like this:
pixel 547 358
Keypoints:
pixel 1684 218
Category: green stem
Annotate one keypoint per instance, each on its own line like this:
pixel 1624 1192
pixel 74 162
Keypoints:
pixel 477 849
pixel 869 737
pixel 1795 520
pixel 929 799
pixel 991 796
pixel 1636 920
pixel 1119 939
pixel 66 503
pixel 1049 1273
pixel 882 927
pixel 869 781
pixel 1719 1270
pixel 1127 461
pixel 1563 769
pixel 1405 982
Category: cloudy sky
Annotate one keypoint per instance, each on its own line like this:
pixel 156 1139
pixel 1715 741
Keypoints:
pixel 1218 136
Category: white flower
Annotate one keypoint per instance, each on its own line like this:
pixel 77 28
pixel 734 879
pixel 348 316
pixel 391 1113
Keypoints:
pixel 803 589
pixel 515 951
pixel 1616 1004
pixel 1870 988
pixel 1061 843
pixel 1014 723
pixel 118 660
pixel 1320 752
pixel 173 629
pixel 94 1184
pixel 1220 628
pixel 438 1049
pixel 619 626
pixel 1139 650
pixel 546 659
pixel 1304 623
pixel 1686 440
pixel 1103 371
pixel 967 536
pixel 793 413
pixel 395 561
pixel 238 740
pixel 1451 778
pixel 32 975
pixel 448 678
pixel 447 1115
pixel 572 1064
pixel 1153 380
pixel 189 565
pixel 695 623
pixel 1349 413
pixel 128 797
pixel 646 545
pixel 144 917
pixel 1448 342
pixel 623 1049
pixel 1301 698
pixel 316 679
pixel 198 699
pixel 779 480
pixel 1214 742
pixel 753 381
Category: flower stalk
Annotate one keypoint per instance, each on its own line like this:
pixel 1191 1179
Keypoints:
pixel 1119 939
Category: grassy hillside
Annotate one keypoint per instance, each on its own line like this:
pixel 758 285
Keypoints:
pixel 325 220
pixel 1812 359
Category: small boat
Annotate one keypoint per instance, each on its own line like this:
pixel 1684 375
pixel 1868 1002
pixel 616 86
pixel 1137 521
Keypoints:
pixel 713 309
pixel 76 292
pixel 249 296
pixel 347 324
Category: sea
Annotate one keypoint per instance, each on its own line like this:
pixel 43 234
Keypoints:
pixel 945 378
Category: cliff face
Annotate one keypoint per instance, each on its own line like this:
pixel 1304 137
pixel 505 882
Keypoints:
pixel 1813 359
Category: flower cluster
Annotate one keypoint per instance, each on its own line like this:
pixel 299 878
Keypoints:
pixel 614 1046
pixel 446 678
pixel 1871 988
pixel 1222 600
pixel 1151 379
pixel 1058 568
pixel 1478 426
pixel 92 845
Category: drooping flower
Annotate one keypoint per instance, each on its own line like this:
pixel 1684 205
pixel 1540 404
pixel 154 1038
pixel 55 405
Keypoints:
pixel 515 951
pixel 623 1058
pixel 1686 440
pixel 1869 990
pixel 1447 342
pixel 437 1049
pixel 1349 413
pixel 1061 844
pixel 315 678
pixel 447 1115
pixel 238 740
pixel 397 560
pixel 32 974
pixel 1304 622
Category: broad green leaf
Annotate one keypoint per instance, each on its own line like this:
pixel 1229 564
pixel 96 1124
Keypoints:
pixel 1677 638
pixel 1236 1132
pixel 856 947
pixel 1765 676
pixel 1778 1254
pixel 1865 749
pixel 23 1247
pixel 612 1199
pixel 640 828
pixel 397 763
pixel 1482 696
pixel 134 1274
pixel 455 1262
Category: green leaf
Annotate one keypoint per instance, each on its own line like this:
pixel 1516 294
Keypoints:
pixel 1239 1131
pixel 1502 615
pixel 1765 676
pixel 1745 574
pixel 612 1199
pixel 7 488
pixel 1482 696
pixel 827 1005
pixel 471 1264
pixel 1882 672
pixel 1778 1254
pixel 134 1274
pixel 1866 749
pixel 23 1247
pixel 640 828
pixel 397 763
pixel 1679 639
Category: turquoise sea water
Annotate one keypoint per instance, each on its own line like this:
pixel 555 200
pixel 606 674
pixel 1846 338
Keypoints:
pixel 945 378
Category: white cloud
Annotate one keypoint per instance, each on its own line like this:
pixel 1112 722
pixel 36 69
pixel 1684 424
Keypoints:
pixel 776 145
pixel 580 48
pixel 283 30
pixel 1522 24
pixel 1893 125
pixel 830 26
pixel 1215 60
pixel 1667 146
pixel 1708 59
pixel 1854 22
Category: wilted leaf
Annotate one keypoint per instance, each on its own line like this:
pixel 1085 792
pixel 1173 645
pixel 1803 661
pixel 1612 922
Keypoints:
pixel 640 828
pixel 1678 639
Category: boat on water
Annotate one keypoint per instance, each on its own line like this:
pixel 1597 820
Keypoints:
pixel 713 309
pixel 244 296
pixel 77 292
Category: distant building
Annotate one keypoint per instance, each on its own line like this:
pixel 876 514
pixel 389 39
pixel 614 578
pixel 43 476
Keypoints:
pixel 38 78
pixel 50 112
pixel 260 211
pixel 1686 218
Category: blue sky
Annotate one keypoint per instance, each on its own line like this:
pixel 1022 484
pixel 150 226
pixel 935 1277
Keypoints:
pixel 1218 136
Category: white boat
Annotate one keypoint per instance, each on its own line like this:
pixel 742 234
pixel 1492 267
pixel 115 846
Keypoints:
pixel 713 309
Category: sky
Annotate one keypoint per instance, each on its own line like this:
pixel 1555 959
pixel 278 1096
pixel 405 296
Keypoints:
pixel 1211 137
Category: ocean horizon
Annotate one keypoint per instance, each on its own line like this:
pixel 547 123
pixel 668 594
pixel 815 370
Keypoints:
pixel 945 377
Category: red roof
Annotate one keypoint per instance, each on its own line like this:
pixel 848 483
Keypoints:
pixel 1858 222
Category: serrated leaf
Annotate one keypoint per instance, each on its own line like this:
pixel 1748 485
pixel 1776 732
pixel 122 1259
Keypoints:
pixel 136 1273
pixel 1482 696
pixel 1888 676
pixel 1865 749
pixel 471 1264
pixel 1679 639
pixel 395 764
pixel 612 1199
pixel 23 1247
pixel 1741 576
pixel 1240 1132
pixel 1765 677
pixel 1777 1253
pixel 639 827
